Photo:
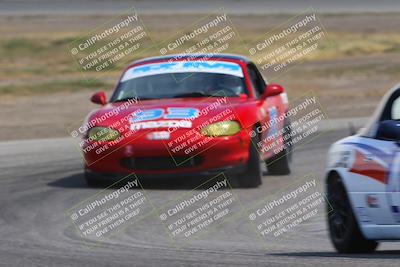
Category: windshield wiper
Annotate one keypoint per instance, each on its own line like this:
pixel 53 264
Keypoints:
pixel 194 94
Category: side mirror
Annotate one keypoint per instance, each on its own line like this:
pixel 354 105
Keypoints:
pixel 388 130
pixel 99 98
pixel 272 89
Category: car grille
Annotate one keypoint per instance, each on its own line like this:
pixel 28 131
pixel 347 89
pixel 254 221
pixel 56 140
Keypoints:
pixel 160 163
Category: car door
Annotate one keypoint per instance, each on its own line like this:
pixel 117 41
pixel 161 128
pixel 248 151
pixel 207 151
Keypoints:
pixel 393 180
pixel 373 175
pixel 378 159
pixel 368 173
pixel 270 108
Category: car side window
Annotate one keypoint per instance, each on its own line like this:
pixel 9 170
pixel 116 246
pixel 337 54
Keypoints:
pixel 391 109
pixel 395 112
pixel 257 81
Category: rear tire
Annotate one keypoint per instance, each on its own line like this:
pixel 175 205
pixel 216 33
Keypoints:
pixel 280 164
pixel 253 175
pixel 344 231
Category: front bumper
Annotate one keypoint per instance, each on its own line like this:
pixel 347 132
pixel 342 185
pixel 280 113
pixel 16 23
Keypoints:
pixel 229 171
pixel 153 157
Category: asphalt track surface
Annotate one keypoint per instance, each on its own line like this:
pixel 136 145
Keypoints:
pixel 41 179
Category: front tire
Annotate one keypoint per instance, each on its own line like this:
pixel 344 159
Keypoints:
pixel 253 175
pixel 91 179
pixel 344 232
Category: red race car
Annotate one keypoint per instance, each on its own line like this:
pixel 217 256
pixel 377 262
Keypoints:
pixel 192 115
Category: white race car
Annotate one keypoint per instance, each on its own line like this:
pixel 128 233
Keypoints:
pixel 363 182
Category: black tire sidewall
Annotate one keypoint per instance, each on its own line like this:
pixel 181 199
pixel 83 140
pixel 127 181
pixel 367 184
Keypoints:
pixel 353 240
pixel 253 175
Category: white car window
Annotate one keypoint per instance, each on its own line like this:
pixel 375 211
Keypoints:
pixel 396 109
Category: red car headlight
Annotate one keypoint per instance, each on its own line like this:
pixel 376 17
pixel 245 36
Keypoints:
pixel 222 128
pixel 102 134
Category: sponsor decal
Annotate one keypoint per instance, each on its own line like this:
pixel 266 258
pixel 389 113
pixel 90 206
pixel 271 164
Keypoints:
pixel 343 160
pixel 372 201
pixel 173 117
pixel 273 118
pixel 162 135
pixel 363 215
pixel 161 124
pixel 160 113
pixel 184 67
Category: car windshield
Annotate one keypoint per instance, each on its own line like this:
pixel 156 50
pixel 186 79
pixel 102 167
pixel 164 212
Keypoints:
pixel 182 81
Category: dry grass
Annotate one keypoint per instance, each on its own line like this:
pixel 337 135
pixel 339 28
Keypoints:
pixel 35 59
pixel 349 74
